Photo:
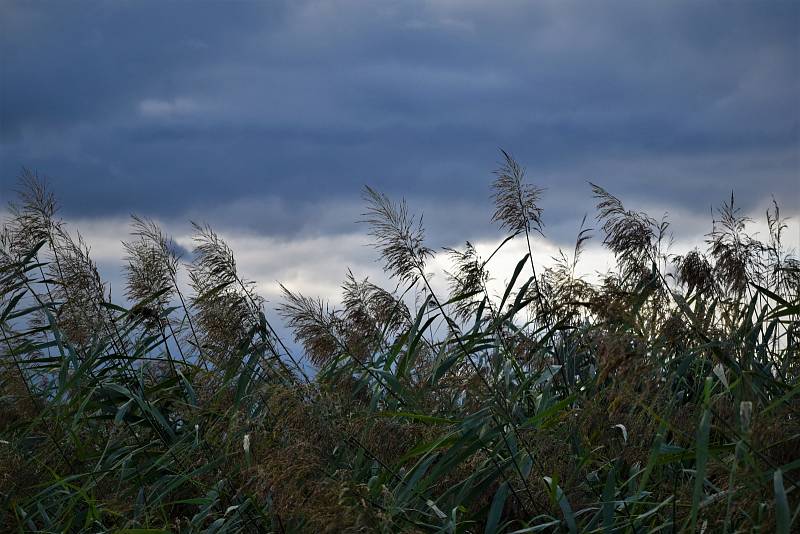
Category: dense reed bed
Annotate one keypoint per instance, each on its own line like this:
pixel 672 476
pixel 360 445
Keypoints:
pixel 663 397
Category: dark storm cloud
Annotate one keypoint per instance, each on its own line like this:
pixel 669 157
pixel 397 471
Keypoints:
pixel 178 110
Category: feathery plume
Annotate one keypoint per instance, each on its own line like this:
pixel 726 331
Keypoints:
pixel 399 236
pixel 516 203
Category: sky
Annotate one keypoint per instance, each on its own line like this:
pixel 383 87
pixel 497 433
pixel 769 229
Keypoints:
pixel 266 119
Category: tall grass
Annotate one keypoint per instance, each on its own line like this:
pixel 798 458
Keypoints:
pixel 662 398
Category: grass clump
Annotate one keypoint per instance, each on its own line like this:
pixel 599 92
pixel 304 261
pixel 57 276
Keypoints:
pixel 662 397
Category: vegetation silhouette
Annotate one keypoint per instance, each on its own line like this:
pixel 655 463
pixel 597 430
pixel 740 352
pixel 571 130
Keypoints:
pixel 662 397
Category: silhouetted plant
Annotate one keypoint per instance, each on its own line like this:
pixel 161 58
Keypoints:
pixel 226 307
pixel 399 236
pixel 516 202
pixel 467 281
pixel 661 398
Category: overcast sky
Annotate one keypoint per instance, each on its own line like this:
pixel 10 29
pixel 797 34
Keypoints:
pixel 265 119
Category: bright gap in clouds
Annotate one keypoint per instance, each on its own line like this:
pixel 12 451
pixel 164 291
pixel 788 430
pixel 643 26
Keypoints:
pixel 316 265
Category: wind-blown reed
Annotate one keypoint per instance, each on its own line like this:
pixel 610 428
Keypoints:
pixel 662 398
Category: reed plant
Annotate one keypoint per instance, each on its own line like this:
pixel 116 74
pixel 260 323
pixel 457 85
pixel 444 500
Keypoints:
pixel 660 397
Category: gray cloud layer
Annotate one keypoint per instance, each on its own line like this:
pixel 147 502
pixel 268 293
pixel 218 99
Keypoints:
pixel 272 115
